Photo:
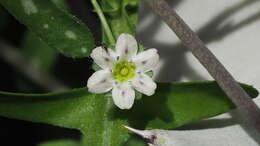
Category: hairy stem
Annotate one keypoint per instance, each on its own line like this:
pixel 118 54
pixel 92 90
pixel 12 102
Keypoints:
pixel 225 80
pixel 104 23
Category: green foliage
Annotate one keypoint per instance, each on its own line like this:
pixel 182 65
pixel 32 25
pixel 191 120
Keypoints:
pixel 60 143
pixel 121 15
pixel 37 52
pixel 101 122
pixel 135 141
pixel 3 17
pixel 53 25
pixel 40 55
pixel 62 4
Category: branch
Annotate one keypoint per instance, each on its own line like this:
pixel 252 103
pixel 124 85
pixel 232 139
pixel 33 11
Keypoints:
pixel 13 57
pixel 239 97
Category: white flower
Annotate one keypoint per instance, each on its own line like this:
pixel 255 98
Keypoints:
pixel 123 70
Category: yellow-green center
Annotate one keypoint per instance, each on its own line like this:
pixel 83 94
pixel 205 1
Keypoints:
pixel 124 71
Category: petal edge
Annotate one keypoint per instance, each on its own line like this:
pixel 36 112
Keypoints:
pixel 126 46
pixel 147 60
pixel 100 82
pixel 103 57
pixel 144 84
pixel 123 96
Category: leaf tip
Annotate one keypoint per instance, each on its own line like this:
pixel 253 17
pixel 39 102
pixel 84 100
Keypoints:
pixel 144 133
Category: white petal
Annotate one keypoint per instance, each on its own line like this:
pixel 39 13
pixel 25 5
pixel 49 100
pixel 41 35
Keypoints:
pixel 144 84
pixel 104 57
pixel 147 60
pixel 100 82
pixel 126 46
pixel 123 96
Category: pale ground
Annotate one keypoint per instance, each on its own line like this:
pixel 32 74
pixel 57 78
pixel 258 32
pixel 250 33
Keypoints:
pixel 231 29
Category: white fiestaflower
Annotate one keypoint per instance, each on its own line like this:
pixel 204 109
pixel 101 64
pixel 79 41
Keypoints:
pixel 123 70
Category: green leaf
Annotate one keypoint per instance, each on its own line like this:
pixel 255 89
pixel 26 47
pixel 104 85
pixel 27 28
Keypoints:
pixel 101 122
pixel 135 141
pixel 62 4
pixel 40 55
pixel 53 25
pixel 3 18
pixel 71 109
pixel 176 104
pixel 37 52
pixel 60 143
pixel 121 15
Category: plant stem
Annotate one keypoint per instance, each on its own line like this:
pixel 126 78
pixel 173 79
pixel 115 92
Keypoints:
pixel 104 23
pixel 128 21
pixel 239 97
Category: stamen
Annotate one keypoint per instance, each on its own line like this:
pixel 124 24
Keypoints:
pixel 124 71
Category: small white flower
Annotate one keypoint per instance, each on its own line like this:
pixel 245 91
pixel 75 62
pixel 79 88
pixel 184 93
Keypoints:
pixel 123 70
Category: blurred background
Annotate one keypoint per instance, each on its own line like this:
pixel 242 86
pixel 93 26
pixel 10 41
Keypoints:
pixel 231 29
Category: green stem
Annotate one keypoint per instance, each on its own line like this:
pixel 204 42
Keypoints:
pixel 104 23
pixel 128 21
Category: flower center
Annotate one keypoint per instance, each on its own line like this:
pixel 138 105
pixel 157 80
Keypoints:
pixel 124 71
